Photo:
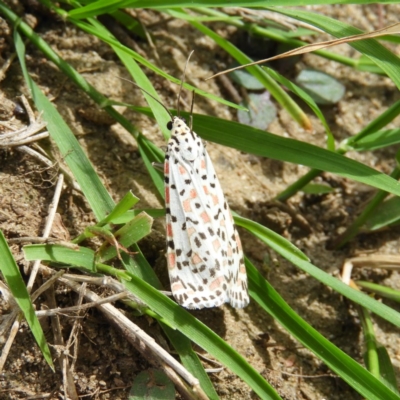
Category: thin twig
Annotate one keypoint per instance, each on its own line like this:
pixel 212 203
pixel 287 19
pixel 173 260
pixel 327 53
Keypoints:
pixel 140 339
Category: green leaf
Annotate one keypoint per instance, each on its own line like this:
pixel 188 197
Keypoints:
pixel 245 79
pixel 265 144
pixel 152 384
pixel 296 257
pixel 387 213
pixel 323 88
pixel 71 151
pixel 261 111
pixel 13 278
pixel 377 140
pixel 80 257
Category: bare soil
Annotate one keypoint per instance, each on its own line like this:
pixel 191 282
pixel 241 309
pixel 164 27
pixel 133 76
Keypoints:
pixel 106 363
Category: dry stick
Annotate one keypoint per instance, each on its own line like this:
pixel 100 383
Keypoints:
pixel 68 380
pixel 58 310
pixel 389 30
pixel 385 261
pixel 73 338
pixel 143 342
pixel 47 229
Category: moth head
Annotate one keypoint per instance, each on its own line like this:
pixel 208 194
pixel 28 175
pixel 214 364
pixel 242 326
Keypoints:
pixel 174 120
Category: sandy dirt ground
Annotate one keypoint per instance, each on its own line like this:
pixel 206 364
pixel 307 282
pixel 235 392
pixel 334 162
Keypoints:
pixel 106 363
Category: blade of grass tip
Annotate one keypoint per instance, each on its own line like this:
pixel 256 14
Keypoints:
pixel 343 365
pixel 16 284
pixel 269 83
pixel 371 48
pixel 387 116
pixel 308 100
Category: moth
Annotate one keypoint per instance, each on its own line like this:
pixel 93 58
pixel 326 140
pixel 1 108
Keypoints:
pixel 204 253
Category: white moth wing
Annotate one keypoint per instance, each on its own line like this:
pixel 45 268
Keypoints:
pixel 205 258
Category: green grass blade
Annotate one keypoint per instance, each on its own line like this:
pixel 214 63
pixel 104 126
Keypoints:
pixel 387 372
pixel 371 358
pixel 137 57
pixel 371 48
pixel 16 284
pixel 261 143
pixel 72 153
pixel 387 213
pixel 123 206
pixel 380 290
pixel 265 144
pixel 81 257
pixel 174 314
pixel 276 91
pixel 349 370
pixel 202 336
pixel 130 233
pixel 297 258
pixel 377 140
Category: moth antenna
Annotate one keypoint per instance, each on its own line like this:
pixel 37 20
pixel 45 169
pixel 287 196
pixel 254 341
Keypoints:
pixel 182 81
pixel 149 94
pixel 191 111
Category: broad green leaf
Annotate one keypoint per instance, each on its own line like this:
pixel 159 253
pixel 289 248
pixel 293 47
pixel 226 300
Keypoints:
pixel 261 111
pixel 323 88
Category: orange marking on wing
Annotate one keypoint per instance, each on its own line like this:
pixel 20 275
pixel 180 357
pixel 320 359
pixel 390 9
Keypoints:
pixel 182 170
pixel 196 259
pixel 171 261
pixel 169 230
pixel 205 189
pixel 166 168
pixel 193 194
pixel 177 286
pixel 216 244
pixel 203 164
pixel 166 194
pixel 205 217
pixel 186 205
pixel 216 283
pixel 215 199
pixel 229 252
pixel 190 231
